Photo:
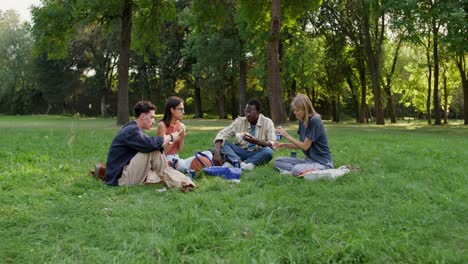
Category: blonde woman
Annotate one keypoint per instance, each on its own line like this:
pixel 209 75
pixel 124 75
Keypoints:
pixel 313 141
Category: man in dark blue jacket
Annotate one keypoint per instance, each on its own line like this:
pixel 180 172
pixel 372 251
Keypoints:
pixel 132 152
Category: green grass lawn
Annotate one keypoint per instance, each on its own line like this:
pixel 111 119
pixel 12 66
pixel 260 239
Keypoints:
pixel 408 204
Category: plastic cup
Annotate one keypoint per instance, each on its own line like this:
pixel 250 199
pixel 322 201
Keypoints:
pixel 278 135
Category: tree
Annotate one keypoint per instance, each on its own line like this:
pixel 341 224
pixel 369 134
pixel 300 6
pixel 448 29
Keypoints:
pixel 94 53
pixel 455 19
pixel 215 45
pixel 363 22
pixel 56 23
pixel 436 23
pixel 278 113
pixel 18 89
pixel 388 82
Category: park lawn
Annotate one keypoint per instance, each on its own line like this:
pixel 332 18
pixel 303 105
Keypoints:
pixel 408 203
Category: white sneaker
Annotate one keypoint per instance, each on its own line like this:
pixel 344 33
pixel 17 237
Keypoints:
pixel 247 166
pixel 227 165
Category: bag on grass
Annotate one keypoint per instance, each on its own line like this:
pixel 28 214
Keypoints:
pixel 175 179
pixel 226 173
pixel 200 161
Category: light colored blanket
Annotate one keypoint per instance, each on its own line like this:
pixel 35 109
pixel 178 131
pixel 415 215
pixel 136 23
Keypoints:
pixel 331 174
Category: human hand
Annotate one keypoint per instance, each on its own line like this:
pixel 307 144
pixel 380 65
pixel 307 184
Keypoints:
pixel 281 131
pixel 175 136
pixel 171 164
pixel 217 159
pixel 277 145
pixel 182 131
pixel 249 138
pixel 240 136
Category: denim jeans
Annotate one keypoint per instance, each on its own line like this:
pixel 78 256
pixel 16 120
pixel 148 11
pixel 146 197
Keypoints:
pixel 257 157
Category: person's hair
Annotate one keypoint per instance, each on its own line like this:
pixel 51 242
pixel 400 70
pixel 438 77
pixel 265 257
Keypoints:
pixel 143 107
pixel 172 102
pixel 255 103
pixel 302 102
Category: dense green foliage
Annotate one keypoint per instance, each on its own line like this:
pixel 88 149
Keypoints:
pixel 408 203
pixel 366 59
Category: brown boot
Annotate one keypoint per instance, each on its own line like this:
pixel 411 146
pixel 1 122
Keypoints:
pixel 99 171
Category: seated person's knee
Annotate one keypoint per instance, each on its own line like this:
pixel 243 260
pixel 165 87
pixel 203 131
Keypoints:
pixel 268 153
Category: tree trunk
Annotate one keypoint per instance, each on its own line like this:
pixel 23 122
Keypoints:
pixel 354 97
pixel 363 79
pixel 292 94
pixel 388 86
pixel 429 86
pixel 435 35
pixel 198 113
pixel 109 78
pixel 234 104
pixel 390 107
pixel 106 88
pixel 461 64
pixel 445 99
pixel 336 108
pixel 124 62
pixel 277 110
pixel 465 99
pixel 373 67
pixel 242 81
pixel 221 102
pixel 101 89
pixel 103 105
pixel 333 108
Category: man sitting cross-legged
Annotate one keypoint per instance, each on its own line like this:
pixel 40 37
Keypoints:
pixel 254 138
pixel 133 154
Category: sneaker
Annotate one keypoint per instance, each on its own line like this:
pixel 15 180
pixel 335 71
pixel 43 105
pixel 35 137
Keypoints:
pixel 227 165
pixel 247 166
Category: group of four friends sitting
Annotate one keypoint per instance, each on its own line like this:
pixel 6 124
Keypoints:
pixel 133 153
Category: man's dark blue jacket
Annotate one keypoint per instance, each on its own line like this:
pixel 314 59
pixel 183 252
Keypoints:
pixel 129 141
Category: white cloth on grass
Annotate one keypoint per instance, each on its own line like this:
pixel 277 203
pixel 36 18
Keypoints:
pixel 331 174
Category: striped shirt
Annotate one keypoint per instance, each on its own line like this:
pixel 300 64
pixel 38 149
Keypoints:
pixel 265 131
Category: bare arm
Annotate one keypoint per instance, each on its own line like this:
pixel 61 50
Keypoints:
pixel 168 139
pixel 278 145
pixel 256 141
pixel 182 134
pixel 217 159
pixel 298 144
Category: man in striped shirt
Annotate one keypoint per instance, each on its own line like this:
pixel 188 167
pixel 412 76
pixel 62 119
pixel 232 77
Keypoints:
pixel 253 135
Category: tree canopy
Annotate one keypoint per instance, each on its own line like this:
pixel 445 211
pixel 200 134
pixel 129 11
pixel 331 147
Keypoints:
pixel 367 59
